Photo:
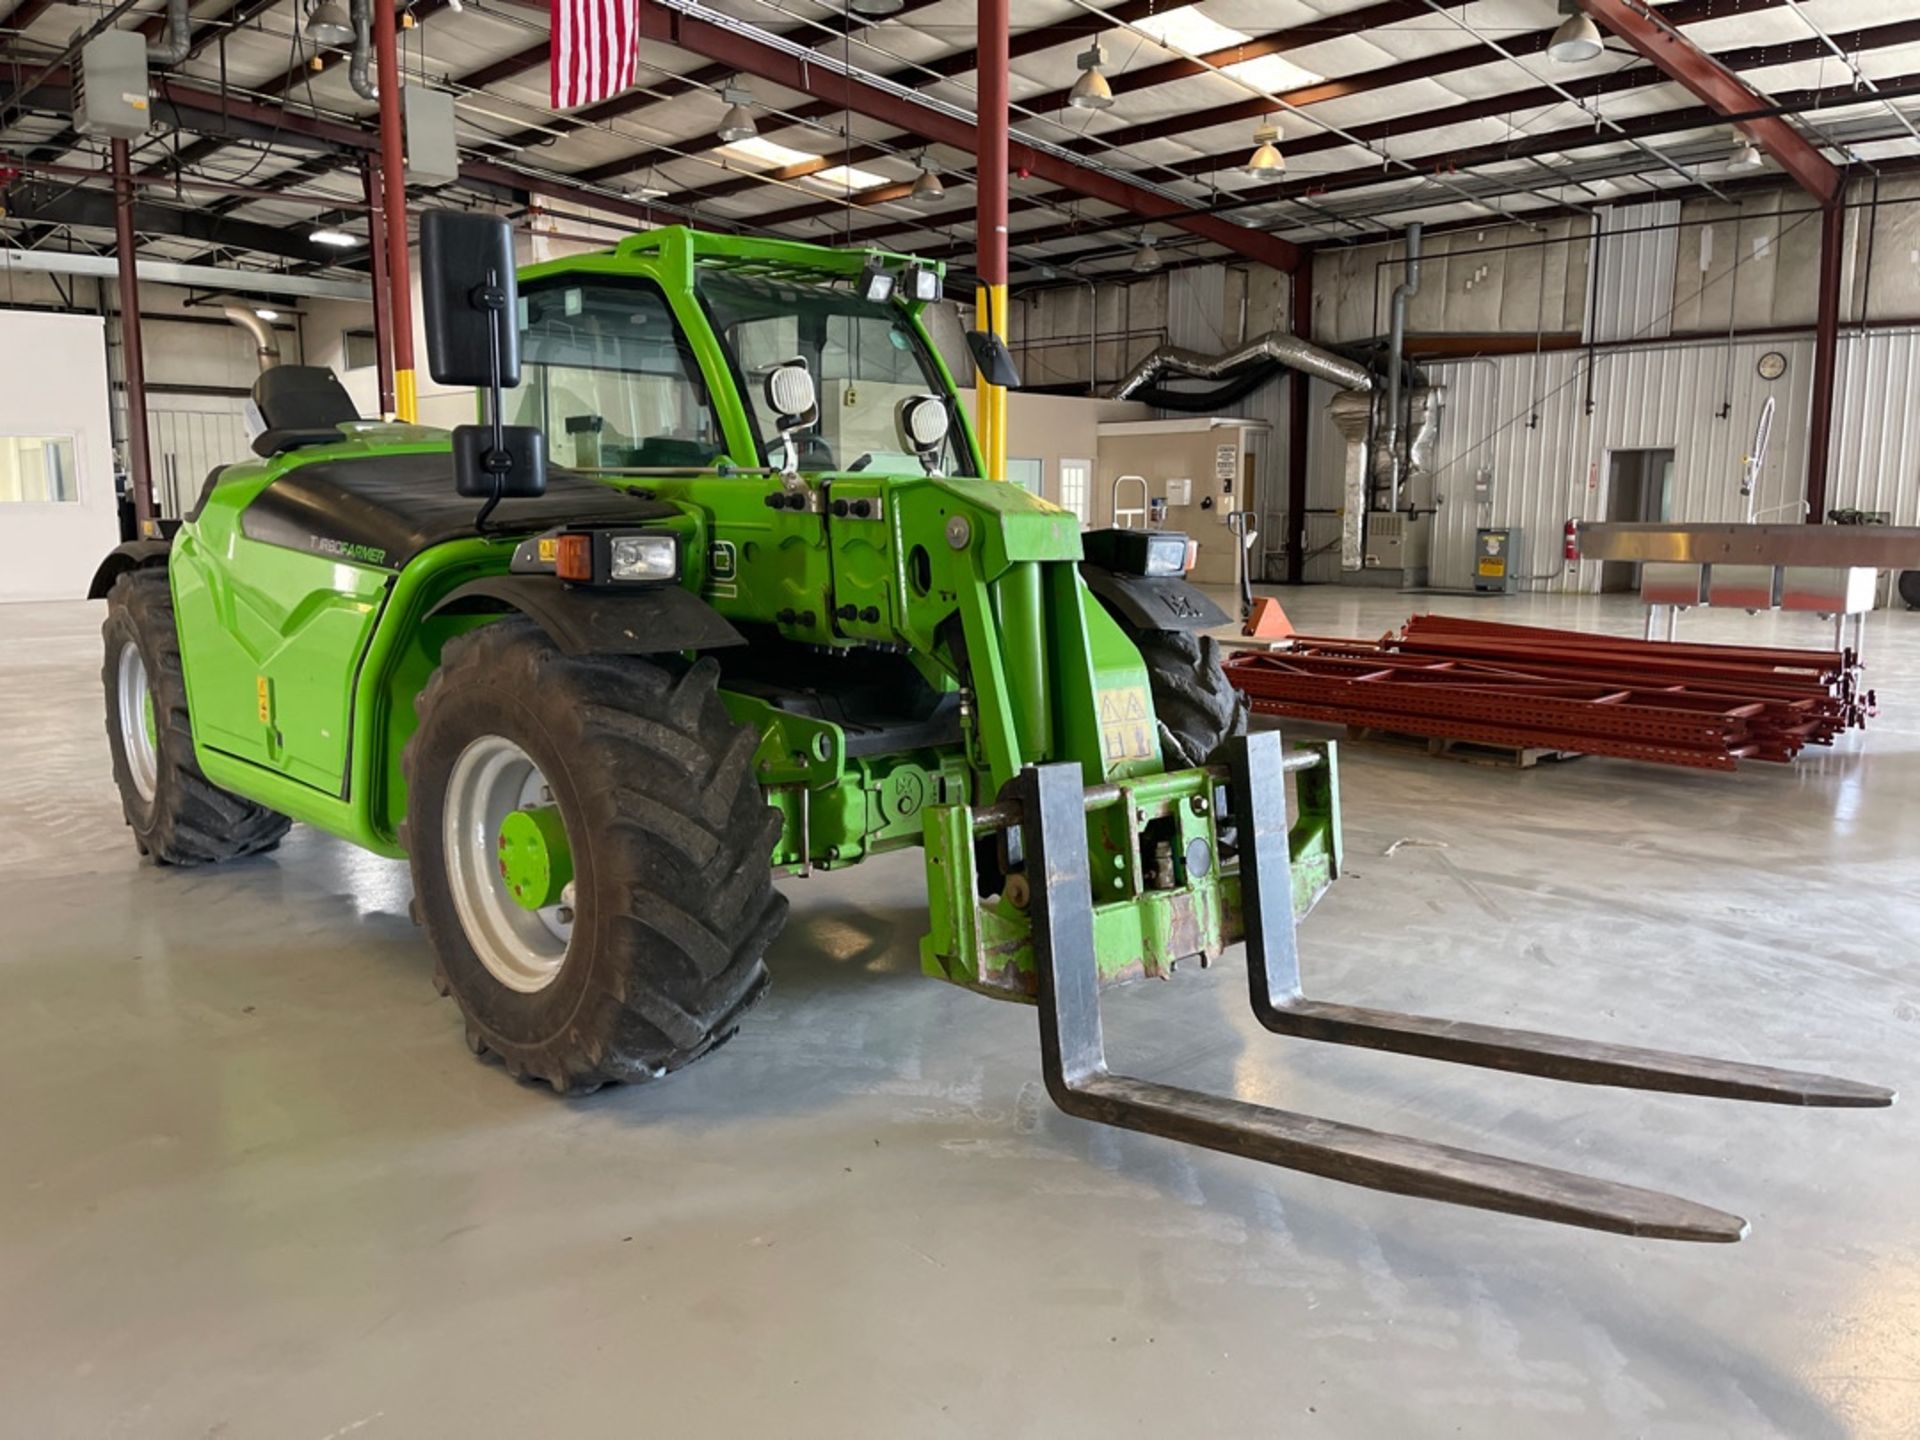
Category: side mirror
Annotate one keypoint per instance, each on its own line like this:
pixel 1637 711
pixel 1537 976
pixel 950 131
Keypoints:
pixel 467 289
pixel 993 360
pixel 473 338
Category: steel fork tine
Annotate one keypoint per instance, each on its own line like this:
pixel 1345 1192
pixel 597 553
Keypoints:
pixel 1073 1057
pixel 1273 975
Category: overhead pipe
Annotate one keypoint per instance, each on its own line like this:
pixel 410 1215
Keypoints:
pixel 1276 347
pixel 1396 360
pixel 266 344
pixel 133 367
pixel 176 38
pixel 361 59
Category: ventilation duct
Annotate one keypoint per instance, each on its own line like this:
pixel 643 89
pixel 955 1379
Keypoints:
pixel 176 39
pixel 362 58
pixel 1396 345
pixel 1262 355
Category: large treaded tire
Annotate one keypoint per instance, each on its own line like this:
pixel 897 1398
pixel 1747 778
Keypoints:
pixel 1197 709
pixel 189 820
pixel 671 840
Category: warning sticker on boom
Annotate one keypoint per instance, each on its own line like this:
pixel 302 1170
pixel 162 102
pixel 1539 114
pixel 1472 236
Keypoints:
pixel 1126 724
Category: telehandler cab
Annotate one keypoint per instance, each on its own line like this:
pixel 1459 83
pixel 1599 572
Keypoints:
pixel 766 615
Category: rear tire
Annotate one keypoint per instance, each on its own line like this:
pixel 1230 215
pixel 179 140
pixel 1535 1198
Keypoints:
pixel 1198 710
pixel 672 906
pixel 178 816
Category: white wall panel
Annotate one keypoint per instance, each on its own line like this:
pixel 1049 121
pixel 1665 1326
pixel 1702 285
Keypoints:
pixel 1635 278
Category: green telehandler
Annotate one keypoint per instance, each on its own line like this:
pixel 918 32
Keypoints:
pixel 763 614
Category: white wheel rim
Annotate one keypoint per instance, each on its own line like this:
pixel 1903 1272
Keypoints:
pixel 523 949
pixel 136 741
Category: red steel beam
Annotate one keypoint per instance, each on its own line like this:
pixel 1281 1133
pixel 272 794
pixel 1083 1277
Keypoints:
pixel 1826 358
pixel 743 52
pixel 1678 57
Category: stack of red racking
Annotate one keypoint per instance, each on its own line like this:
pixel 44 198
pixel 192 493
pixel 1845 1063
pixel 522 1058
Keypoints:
pixel 1524 687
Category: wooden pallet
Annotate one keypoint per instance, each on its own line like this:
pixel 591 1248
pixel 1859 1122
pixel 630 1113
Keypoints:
pixel 1471 752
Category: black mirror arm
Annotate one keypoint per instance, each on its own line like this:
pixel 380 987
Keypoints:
pixel 498 461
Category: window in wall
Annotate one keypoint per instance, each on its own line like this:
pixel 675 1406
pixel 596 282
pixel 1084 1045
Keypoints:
pixel 1027 474
pixel 359 349
pixel 1076 476
pixel 37 469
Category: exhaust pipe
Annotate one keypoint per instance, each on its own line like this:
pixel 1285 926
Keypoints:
pixel 266 344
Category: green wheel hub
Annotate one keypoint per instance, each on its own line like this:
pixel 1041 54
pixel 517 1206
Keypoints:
pixel 534 859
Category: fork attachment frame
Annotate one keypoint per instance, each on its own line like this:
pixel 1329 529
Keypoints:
pixel 1073 1049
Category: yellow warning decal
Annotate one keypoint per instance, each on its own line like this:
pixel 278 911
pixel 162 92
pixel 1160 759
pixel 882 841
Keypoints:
pixel 1126 724
pixel 549 549
pixel 263 692
pixel 1495 567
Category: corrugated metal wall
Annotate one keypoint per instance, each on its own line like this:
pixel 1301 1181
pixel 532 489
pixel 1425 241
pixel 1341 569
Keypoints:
pixel 187 437
pixel 1636 271
pixel 1876 430
pixel 1517 446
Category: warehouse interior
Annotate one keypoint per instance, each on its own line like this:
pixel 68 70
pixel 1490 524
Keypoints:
pixel 1459 453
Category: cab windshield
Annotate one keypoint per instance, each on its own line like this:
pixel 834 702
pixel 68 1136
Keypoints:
pixel 865 358
pixel 606 373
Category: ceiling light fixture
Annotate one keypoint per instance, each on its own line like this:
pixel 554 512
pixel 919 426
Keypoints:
pixel 1147 258
pixel 737 124
pixel 927 189
pixel 1266 160
pixel 329 24
pixel 339 239
pixel 268 314
pixel 876 9
pixel 1577 40
pixel 1091 91
pixel 1747 157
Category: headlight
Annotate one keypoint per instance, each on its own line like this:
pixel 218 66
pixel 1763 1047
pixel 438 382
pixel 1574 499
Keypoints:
pixel 601 557
pixel 642 557
pixel 1166 554
pixel 921 282
pixel 923 422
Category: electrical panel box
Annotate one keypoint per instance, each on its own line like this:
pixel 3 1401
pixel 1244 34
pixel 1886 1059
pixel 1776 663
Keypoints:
pixel 1496 561
pixel 110 86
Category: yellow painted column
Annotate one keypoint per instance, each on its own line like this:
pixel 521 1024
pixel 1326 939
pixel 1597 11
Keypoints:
pixel 990 401
pixel 406 398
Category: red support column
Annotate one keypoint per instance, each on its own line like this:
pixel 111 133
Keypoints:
pixel 1299 417
pixel 133 365
pixel 393 179
pixel 382 301
pixel 1826 355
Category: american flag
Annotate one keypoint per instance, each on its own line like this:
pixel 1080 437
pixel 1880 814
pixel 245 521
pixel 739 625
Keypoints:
pixel 594 46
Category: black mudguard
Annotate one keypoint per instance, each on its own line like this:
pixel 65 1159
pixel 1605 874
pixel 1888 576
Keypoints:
pixel 129 555
pixel 1144 602
pixel 654 621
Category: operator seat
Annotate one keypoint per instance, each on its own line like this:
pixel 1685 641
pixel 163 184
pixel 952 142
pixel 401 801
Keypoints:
pixel 299 405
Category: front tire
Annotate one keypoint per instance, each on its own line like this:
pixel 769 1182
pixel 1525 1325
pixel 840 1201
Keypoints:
pixel 1198 710
pixel 648 958
pixel 178 816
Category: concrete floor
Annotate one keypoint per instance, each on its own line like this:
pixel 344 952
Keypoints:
pixel 254 1185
